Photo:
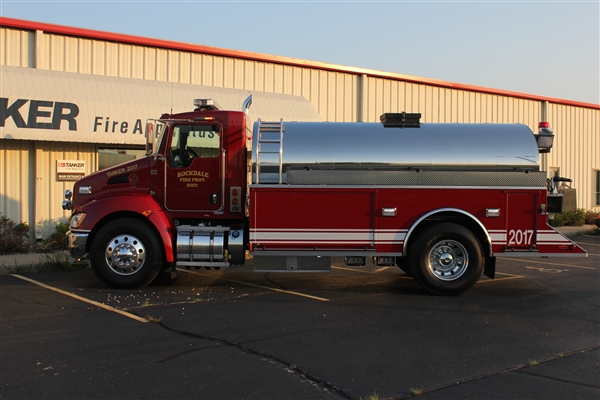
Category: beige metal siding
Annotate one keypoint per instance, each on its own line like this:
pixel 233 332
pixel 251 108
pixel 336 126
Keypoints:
pixel 17 47
pixel 438 104
pixel 29 190
pixel 17 178
pixel 576 148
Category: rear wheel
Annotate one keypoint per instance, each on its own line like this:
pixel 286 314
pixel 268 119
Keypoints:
pixel 125 253
pixel 446 259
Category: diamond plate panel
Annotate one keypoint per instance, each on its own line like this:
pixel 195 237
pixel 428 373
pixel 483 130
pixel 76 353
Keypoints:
pixel 417 178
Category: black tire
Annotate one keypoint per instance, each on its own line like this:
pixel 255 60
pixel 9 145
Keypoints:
pixel 446 259
pixel 126 253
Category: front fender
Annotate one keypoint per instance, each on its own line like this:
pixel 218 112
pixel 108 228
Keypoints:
pixel 163 226
pixel 142 205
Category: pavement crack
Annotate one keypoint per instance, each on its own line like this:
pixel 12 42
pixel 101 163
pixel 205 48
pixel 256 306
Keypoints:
pixel 294 369
pixel 177 355
pixel 519 368
pixel 558 379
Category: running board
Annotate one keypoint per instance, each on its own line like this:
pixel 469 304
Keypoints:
pixel 199 264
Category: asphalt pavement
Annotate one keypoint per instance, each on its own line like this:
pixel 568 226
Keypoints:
pixel 532 333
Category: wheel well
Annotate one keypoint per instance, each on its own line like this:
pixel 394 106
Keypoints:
pixel 118 215
pixel 465 220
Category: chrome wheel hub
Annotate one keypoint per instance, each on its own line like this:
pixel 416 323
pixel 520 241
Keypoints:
pixel 125 255
pixel 448 260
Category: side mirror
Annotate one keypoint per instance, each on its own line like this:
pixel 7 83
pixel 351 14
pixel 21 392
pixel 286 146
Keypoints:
pixel 150 136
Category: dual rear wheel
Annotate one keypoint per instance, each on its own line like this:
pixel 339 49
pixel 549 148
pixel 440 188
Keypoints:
pixel 445 259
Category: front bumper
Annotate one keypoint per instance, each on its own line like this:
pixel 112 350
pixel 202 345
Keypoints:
pixel 76 242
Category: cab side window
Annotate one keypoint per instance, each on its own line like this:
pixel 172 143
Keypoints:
pixel 189 142
pixel 204 140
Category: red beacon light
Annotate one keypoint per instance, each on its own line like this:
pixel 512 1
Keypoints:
pixel 544 137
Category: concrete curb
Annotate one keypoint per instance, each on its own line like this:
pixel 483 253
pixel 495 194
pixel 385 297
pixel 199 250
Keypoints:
pixel 576 230
pixel 12 262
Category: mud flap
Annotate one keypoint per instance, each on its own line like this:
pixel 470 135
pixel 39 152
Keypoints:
pixel 489 269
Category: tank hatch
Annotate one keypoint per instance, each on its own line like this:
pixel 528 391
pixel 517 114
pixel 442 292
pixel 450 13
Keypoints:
pixel 401 120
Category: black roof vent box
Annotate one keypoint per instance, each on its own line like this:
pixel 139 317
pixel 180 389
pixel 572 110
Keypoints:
pixel 401 120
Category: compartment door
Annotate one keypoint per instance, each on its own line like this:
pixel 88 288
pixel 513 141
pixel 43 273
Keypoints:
pixel 311 219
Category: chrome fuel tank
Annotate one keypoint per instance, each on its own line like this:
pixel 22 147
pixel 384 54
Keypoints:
pixel 308 146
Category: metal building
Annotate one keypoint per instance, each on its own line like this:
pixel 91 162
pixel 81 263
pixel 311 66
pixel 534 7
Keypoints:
pixel 115 81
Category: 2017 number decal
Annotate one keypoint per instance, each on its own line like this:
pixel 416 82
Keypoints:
pixel 520 237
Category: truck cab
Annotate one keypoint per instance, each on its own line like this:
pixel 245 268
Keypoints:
pixel 183 203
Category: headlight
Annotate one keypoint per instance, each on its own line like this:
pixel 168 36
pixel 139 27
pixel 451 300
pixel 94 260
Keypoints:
pixel 76 220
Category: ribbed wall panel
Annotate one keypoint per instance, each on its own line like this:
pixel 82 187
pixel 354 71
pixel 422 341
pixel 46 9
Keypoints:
pixel 18 47
pixel 16 177
pixel 438 104
pixel 71 56
pixel 161 61
pixel 97 57
pixel 575 153
pixel 124 61
pixel 84 61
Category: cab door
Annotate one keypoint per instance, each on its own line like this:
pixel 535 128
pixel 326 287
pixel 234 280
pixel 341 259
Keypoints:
pixel 521 227
pixel 195 168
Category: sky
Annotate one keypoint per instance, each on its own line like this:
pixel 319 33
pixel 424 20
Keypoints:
pixel 546 48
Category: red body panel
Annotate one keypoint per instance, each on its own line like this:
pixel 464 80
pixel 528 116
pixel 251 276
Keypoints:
pixel 351 219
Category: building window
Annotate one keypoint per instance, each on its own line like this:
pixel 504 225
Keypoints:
pixel 110 157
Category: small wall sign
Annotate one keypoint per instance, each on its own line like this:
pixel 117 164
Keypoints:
pixel 69 170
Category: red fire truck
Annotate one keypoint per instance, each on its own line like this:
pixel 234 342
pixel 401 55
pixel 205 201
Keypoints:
pixel 440 201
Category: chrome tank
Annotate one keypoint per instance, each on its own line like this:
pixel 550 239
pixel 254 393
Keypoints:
pixel 371 146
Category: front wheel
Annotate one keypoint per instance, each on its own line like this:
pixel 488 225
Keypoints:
pixel 446 259
pixel 125 253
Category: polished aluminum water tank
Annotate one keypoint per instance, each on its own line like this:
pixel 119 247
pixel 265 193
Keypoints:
pixel 356 146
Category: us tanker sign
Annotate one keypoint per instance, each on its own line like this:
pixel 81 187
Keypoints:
pixel 69 170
